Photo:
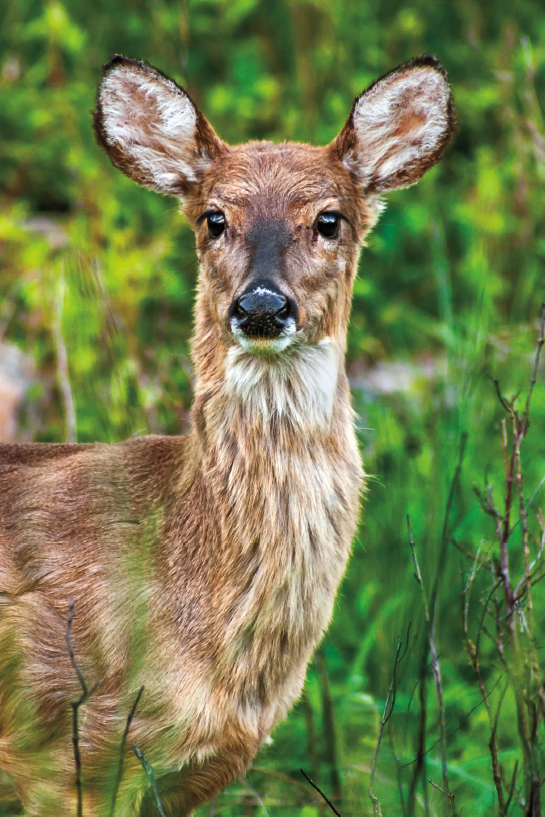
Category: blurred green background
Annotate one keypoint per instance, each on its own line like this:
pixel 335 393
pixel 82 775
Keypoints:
pixel 97 284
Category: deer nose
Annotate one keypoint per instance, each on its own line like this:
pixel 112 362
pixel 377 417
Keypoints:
pixel 262 311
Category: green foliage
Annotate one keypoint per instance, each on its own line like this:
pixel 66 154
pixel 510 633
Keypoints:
pixel 450 287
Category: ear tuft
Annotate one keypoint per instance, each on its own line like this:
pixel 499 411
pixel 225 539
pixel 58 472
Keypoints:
pixel 151 129
pixel 399 127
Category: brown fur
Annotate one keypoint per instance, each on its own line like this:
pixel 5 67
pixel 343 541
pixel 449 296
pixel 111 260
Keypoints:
pixel 204 568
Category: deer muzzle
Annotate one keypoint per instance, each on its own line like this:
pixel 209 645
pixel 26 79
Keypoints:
pixel 263 312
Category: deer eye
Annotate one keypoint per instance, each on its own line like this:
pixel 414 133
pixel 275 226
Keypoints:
pixel 216 224
pixel 328 224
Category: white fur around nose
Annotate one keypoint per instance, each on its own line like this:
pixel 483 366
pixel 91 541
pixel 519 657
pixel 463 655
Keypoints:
pixel 154 123
pixel 298 387
pixel 384 143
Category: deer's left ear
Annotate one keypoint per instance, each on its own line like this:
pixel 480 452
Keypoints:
pixel 399 127
pixel 151 129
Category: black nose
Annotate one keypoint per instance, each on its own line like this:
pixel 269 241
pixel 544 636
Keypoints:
pixel 262 311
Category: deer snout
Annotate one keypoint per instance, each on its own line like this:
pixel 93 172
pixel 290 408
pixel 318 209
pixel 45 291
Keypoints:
pixel 263 311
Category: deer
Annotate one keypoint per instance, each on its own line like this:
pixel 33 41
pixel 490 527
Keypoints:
pixel 200 572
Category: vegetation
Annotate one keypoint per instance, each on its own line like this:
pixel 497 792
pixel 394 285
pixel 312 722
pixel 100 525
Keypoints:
pixel 96 289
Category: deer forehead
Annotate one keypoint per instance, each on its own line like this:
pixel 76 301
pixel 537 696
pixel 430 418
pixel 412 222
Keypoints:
pixel 286 180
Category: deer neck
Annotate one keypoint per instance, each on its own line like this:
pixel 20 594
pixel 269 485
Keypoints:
pixel 279 403
pixel 280 462
pixel 276 439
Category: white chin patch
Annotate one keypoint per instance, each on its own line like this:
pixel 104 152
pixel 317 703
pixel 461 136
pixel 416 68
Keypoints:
pixel 297 388
pixel 265 346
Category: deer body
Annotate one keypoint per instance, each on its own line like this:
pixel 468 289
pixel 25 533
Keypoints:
pixel 203 568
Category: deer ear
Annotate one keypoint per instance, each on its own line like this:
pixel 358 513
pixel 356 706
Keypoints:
pixel 399 127
pixel 150 128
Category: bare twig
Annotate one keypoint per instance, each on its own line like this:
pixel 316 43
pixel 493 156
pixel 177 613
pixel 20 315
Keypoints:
pixel 430 624
pixel 493 745
pixel 529 503
pixel 505 533
pixel 485 611
pixel 466 592
pixel 386 714
pixel 474 558
pixel 447 794
pixel 540 342
pixel 473 653
pixel 149 772
pixel 450 734
pixel 398 768
pixel 512 786
pixel 521 587
pixel 420 764
pixel 522 667
pixel 122 749
pixel 85 695
pixel 501 398
pixel 444 533
pixel 318 789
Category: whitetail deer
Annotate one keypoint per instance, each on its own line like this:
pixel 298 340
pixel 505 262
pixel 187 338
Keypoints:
pixel 204 568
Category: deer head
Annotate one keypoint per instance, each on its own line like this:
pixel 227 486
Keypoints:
pixel 278 226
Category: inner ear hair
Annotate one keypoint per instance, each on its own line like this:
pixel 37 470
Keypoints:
pixel 399 127
pixel 151 129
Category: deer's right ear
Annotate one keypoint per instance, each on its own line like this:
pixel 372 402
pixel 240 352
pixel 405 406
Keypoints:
pixel 150 128
pixel 399 127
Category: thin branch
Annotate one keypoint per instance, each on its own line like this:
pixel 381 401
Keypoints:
pixel 398 768
pixel 85 695
pixel 466 592
pixel 444 533
pixel 512 787
pixel 450 734
pixel 420 767
pixel 498 710
pixel 540 342
pixel 520 590
pixel 473 654
pixel 485 611
pixel 524 525
pixel 529 503
pixel 447 794
pixel 149 772
pixel 501 398
pixel 430 624
pixel 386 714
pixel 318 789
pixel 122 749
pixel 417 573
pixel 504 537
pixel 473 557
